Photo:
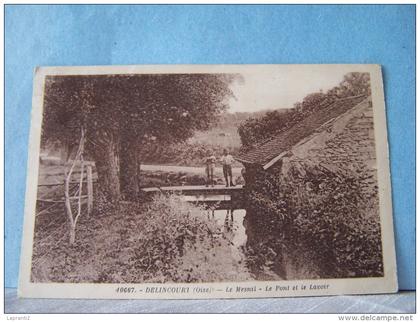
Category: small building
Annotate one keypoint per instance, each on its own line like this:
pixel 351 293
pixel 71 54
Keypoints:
pixel 339 137
pixel 312 194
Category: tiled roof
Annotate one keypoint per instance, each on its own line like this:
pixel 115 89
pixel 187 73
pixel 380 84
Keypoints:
pixel 283 141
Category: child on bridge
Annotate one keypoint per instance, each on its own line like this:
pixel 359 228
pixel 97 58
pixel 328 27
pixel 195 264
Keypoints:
pixel 227 161
pixel 210 165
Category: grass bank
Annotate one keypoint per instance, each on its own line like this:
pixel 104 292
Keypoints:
pixel 166 240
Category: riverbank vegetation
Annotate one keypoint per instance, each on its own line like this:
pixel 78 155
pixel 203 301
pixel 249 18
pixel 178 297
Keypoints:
pixel 165 240
pixel 315 213
pixel 328 230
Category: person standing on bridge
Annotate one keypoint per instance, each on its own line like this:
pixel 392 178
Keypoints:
pixel 227 161
pixel 210 165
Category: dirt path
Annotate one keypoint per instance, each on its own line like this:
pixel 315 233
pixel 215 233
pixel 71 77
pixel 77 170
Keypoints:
pixel 194 170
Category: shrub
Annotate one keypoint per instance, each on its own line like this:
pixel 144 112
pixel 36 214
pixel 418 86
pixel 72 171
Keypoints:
pixel 321 217
pixel 178 242
pixel 185 154
pixel 258 129
pixel 165 240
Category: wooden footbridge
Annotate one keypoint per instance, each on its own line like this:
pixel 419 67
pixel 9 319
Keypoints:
pixel 221 196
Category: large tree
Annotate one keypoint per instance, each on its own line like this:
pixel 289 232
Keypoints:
pixel 124 115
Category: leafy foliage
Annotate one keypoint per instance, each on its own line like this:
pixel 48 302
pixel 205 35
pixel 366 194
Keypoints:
pixel 319 216
pixel 186 154
pixel 124 116
pixel 166 241
pixel 257 129
pixel 150 107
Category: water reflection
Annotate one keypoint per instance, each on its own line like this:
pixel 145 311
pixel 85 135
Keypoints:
pixel 236 229
pixel 232 222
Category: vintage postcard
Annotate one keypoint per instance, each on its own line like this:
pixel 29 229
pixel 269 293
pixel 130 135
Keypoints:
pixel 208 181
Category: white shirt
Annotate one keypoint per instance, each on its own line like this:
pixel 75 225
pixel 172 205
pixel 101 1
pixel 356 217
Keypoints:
pixel 227 159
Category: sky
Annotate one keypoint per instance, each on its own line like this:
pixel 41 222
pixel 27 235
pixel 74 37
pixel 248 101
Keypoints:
pixel 284 85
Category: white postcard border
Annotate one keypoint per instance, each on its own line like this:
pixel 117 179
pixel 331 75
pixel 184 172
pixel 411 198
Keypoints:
pixel 253 289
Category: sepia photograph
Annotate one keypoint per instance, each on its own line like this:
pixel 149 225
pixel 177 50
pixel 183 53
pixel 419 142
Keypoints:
pixel 153 180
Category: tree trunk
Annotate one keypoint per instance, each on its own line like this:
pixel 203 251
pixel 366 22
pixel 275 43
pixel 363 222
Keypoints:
pixel 72 234
pixel 108 167
pixel 89 180
pixel 130 168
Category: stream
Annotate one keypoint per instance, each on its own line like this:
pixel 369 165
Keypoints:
pixel 234 228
